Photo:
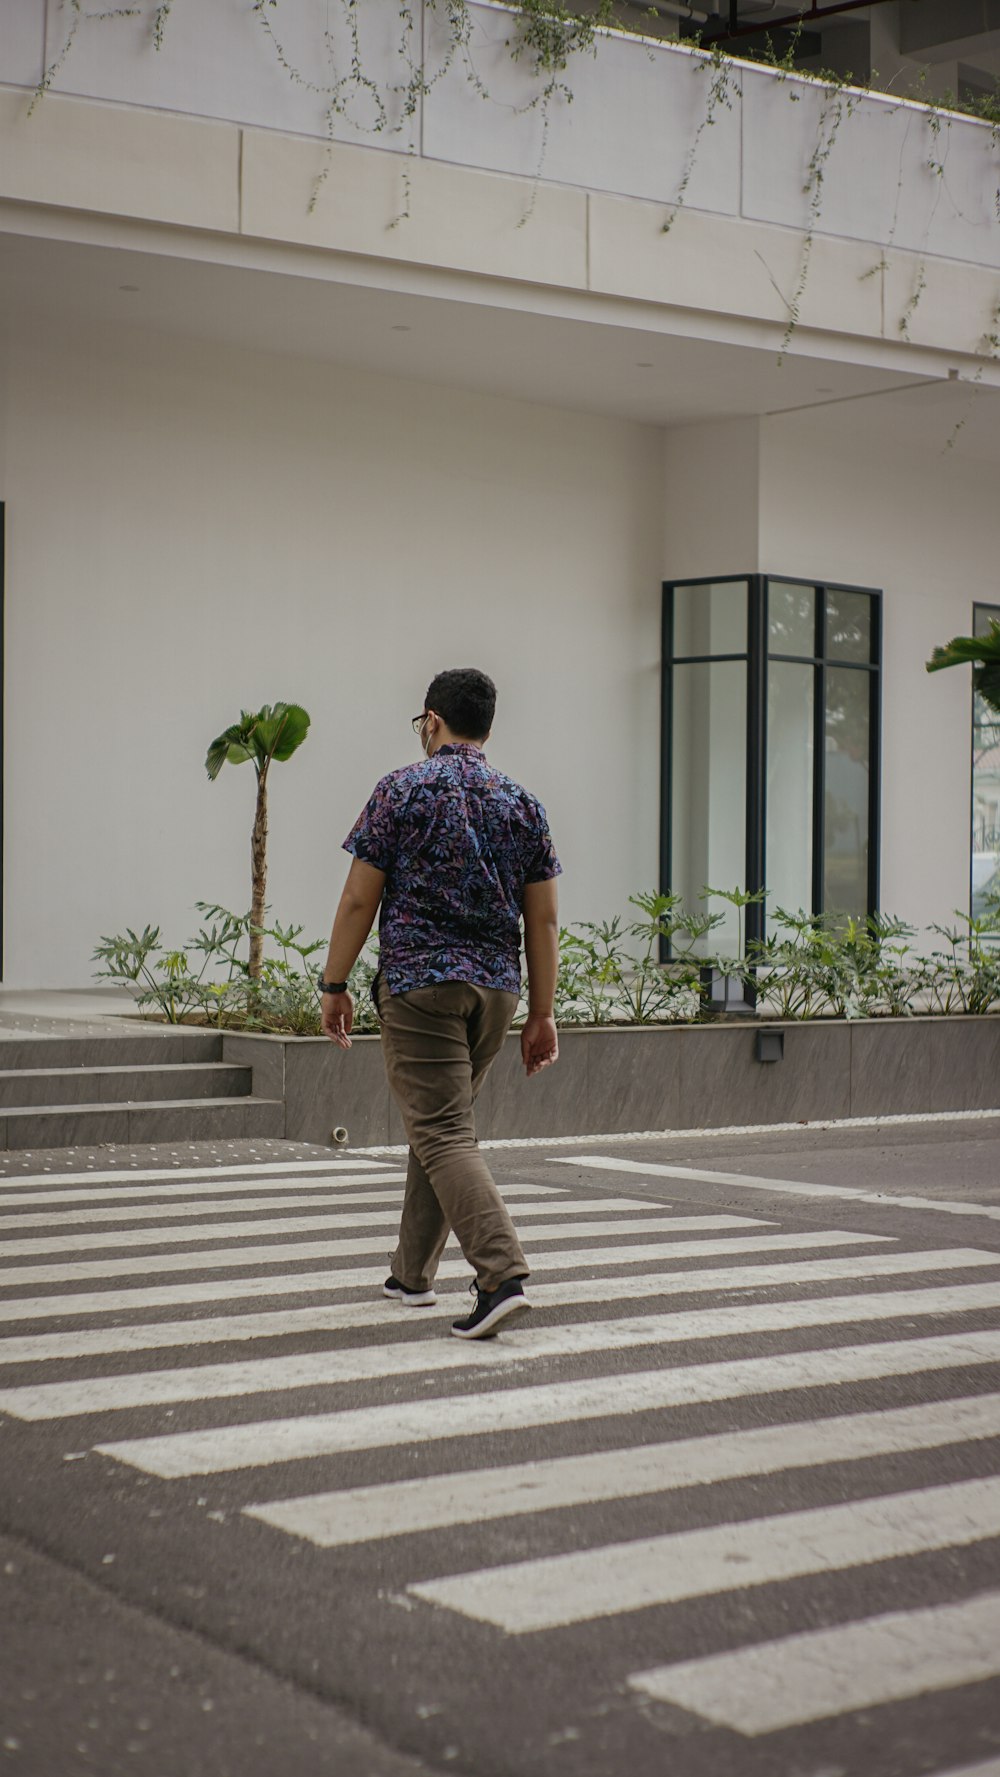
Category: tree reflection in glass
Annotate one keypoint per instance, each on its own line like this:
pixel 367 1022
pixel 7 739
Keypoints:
pixel 847 720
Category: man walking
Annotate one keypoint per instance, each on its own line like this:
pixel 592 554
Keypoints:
pixel 457 854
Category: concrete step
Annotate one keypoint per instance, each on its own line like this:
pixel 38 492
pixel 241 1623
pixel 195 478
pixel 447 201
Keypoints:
pixel 22 1088
pixel 167 1044
pixel 178 1119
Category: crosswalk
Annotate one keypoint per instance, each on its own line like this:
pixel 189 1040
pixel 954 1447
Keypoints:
pixel 703 1406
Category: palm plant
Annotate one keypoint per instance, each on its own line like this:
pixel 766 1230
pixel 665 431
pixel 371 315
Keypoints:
pixel 274 732
pixel 984 654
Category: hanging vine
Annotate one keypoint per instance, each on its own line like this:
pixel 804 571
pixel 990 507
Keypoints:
pixel 720 91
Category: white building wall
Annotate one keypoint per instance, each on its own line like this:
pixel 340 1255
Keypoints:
pixel 192 530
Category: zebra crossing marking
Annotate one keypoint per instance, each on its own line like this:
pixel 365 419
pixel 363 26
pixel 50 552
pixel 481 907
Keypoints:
pixel 598 1582
pixel 558 1590
pixel 74 1271
pixel 249 1169
pixel 550 1201
pixel 221 1449
pixel 436 1502
pixel 16 1309
pixel 231 1191
pixel 84 1342
pixel 29 1246
pixel 227 1190
pixel 659 1169
pixel 826 1672
pixel 202 1382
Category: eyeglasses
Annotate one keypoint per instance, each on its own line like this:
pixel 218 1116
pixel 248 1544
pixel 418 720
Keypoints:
pixel 417 722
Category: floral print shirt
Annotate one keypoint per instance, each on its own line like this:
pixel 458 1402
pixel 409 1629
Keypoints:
pixel 458 842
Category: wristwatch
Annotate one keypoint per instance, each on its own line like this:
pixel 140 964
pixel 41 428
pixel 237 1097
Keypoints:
pixel 332 986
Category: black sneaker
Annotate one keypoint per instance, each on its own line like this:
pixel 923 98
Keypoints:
pixel 492 1307
pixel 412 1298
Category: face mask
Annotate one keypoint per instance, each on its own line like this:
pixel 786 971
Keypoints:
pixel 425 738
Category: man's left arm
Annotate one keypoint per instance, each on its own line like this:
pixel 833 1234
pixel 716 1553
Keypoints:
pixel 354 919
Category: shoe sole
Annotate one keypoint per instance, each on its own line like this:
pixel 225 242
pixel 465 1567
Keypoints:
pixel 488 1325
pixel 422 1299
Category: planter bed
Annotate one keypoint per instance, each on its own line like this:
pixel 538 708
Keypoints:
pixel 615 1079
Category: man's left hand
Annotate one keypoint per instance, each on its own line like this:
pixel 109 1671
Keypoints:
pixel 338 1018
pixel 539 1043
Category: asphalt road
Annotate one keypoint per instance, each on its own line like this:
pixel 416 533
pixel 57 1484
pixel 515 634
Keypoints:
pixel 725 1505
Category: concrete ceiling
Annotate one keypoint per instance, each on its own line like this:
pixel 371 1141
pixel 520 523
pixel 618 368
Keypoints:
pixel 626 367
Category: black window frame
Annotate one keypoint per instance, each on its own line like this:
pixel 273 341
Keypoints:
pixel 757 657
pixel 992 610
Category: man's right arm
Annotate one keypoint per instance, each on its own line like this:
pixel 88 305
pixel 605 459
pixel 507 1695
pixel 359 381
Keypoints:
pixel 539 1042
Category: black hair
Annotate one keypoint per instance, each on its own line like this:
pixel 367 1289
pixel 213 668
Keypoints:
pixel 465 699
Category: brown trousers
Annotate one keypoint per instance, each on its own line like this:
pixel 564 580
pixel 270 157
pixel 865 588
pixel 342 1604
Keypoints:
pixel 438 1044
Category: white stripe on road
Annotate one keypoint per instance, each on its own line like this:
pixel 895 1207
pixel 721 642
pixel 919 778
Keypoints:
pixel 322 1369
pixel 227 1190
pixel 368 1276
pixel 278 1254
pixel 377 1218
pixel 562 1589
pixel 277 1323
pixel 884 1199
pixel 72 1218
pixel 249 1170
pixel 401 1508
pixel 221 1449
pixel 825 1672
pixel 552 1203
pixel 236 1192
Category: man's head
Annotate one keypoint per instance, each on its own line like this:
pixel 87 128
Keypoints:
pixel 462 701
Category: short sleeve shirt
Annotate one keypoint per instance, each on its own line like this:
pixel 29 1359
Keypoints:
pixel 458 842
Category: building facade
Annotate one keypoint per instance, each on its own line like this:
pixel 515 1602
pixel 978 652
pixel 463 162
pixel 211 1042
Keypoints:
pixel 668 395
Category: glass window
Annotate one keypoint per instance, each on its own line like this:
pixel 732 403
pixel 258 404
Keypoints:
pixel 708 800
pixel 985 788
pixel 774 751
pixel 790 773
pixel 791 619
pixel 710 619
pixel 849 626
pixel 847 791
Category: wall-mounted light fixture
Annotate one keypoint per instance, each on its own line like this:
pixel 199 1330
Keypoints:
pixel 770 1045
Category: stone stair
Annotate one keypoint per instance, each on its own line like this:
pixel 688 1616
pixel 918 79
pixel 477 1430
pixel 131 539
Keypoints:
pixel 60 1091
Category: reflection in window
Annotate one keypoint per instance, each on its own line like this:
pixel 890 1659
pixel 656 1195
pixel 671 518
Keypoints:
pixel 791 619
pixel 848 626
pixel 985 788
pixel 789 837
pixel 847 791
pixel 709 784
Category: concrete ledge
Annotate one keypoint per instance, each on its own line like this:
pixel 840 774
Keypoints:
pixel 115 159
pixel 457 219
pixel 661 1077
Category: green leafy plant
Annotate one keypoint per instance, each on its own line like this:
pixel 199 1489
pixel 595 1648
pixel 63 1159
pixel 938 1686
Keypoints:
pixel 965 975
pixel 983 653
pixel 209 981
pixel 273 732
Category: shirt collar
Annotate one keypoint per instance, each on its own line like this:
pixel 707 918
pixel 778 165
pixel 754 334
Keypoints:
pixel 459 746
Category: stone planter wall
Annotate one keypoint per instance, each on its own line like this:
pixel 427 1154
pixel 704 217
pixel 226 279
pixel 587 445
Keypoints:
pixel 666 1077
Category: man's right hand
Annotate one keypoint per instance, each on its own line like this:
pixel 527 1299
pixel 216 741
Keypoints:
pixel 539 1043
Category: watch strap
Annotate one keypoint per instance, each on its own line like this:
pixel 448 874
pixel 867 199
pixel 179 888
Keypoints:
pixel 332 986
